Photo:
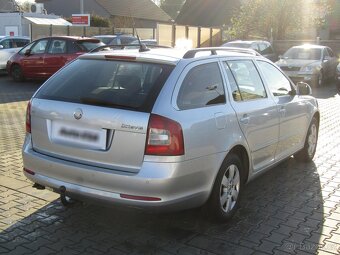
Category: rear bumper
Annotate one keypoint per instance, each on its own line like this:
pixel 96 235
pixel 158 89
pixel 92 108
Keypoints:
pixel 179 185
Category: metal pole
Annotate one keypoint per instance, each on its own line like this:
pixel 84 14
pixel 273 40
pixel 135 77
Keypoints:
pixel 81 6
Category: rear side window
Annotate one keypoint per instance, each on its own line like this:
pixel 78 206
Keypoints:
pixel 201 87
pixel 116 84
pixel 250 85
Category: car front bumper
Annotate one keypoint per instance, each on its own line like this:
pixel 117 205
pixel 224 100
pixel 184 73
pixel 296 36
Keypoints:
pixel 180 185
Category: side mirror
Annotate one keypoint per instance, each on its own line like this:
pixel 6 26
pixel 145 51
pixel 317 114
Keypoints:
pixel 280 57
pixel 28 52
pixel 303 89
pixel 1 46
pixel 326 58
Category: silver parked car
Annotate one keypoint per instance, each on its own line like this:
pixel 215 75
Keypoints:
pixel 313 64
pixel 166 129
pixel 9 45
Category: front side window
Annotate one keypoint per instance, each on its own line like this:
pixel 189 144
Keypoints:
pixel 248 80
pixel 278 84
pixel 201 87
pixel 39 47
pixel 27 47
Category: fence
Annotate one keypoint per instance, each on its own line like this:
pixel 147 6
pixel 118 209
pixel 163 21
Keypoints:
pixel 172 35
pixel 167 35
pixel 39 31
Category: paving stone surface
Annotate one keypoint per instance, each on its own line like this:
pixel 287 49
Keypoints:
pixel 292 209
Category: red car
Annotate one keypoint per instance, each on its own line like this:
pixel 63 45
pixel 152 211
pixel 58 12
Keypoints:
pixel 43 57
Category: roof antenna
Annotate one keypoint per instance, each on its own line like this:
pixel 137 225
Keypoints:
pixel 142 46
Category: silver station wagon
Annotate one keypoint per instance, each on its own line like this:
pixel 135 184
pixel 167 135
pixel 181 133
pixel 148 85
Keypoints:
pixel 166 129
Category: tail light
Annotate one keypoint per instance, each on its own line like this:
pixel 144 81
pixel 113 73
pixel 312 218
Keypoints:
pixel 28 117
pixel 164 137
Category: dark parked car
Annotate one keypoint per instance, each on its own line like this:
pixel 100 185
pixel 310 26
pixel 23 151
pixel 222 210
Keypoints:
pixel 117 39
pixel 262 47
pixel 338 77
pixel 42 58
pixel 313 64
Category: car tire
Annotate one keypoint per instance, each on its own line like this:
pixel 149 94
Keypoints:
pixel 319 80
pixel 17 73
pixel 225 196
pixel 308 151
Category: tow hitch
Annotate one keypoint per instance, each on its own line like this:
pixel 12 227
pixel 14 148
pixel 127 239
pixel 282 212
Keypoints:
pixel 65 200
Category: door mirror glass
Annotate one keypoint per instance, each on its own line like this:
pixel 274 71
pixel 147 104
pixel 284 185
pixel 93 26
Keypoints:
pixel 303 89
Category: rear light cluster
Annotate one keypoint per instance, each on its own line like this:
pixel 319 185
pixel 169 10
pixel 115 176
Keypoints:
pixel 164 137
pixel 28 117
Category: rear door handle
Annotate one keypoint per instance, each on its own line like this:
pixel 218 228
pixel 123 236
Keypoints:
pixel 282 111
pixel 245 119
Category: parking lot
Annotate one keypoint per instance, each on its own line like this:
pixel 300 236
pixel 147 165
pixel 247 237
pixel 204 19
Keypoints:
pixel 292 209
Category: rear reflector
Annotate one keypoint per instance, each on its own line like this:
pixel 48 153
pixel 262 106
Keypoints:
pixel 28 117
pixel 141 198
pixel 164 137
pixel 29 171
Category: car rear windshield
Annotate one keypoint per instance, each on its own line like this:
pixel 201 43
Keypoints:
pixel 116 84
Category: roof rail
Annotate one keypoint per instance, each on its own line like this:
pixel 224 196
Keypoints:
pixel 213 50
pixel 125 46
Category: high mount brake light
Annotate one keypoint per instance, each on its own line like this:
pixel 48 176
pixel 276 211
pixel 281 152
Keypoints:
pixel 127 58
pixel 164 137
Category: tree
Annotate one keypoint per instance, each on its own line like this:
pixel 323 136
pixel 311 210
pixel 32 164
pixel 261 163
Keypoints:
pixel 172 7
pixel 24 6
pixel 278 18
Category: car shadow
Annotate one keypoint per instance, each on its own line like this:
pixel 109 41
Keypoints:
pixel 12 91
pixel 282 210
pixel 327 91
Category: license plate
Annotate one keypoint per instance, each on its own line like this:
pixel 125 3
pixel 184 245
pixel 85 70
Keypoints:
pixel 74 135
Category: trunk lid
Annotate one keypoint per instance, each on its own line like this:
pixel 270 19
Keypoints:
pixel 92 135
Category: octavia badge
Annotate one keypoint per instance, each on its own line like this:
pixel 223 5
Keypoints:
pixel 78 113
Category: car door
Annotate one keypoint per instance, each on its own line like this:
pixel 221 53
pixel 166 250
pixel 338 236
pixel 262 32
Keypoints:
pixel 6 52
pixel 32 62
pixel 56 56
pixel 256 112
pixel 333 62
pixel 294 120
pixel 200 100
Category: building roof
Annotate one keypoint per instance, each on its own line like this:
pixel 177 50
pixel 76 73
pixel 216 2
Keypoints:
pixel 142 9
pixel 207 13
pixel 139 9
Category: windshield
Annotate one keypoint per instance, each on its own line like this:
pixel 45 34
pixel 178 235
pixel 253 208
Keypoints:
pixel 303 54
pixel 118 84
pixel 88 45
pixel 105 40
pixel 238 45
